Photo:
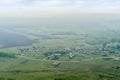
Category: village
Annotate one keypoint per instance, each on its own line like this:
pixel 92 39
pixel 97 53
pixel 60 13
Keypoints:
pixel 71 53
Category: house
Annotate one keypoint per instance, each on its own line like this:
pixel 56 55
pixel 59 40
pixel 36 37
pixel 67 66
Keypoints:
pixel 56 63
pixel 71 55
pixel 53 56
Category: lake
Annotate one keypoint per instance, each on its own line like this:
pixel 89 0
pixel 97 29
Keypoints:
pixel 8 39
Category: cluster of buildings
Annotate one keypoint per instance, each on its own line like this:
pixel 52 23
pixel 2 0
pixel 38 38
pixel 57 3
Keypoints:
pixel 33 49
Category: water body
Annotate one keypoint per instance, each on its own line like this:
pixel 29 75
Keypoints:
pixel 8 39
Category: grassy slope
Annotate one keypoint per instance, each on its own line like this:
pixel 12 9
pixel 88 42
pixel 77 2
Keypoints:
pixel 20 69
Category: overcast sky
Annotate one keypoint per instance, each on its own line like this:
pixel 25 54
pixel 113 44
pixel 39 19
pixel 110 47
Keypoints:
pixel 45 7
